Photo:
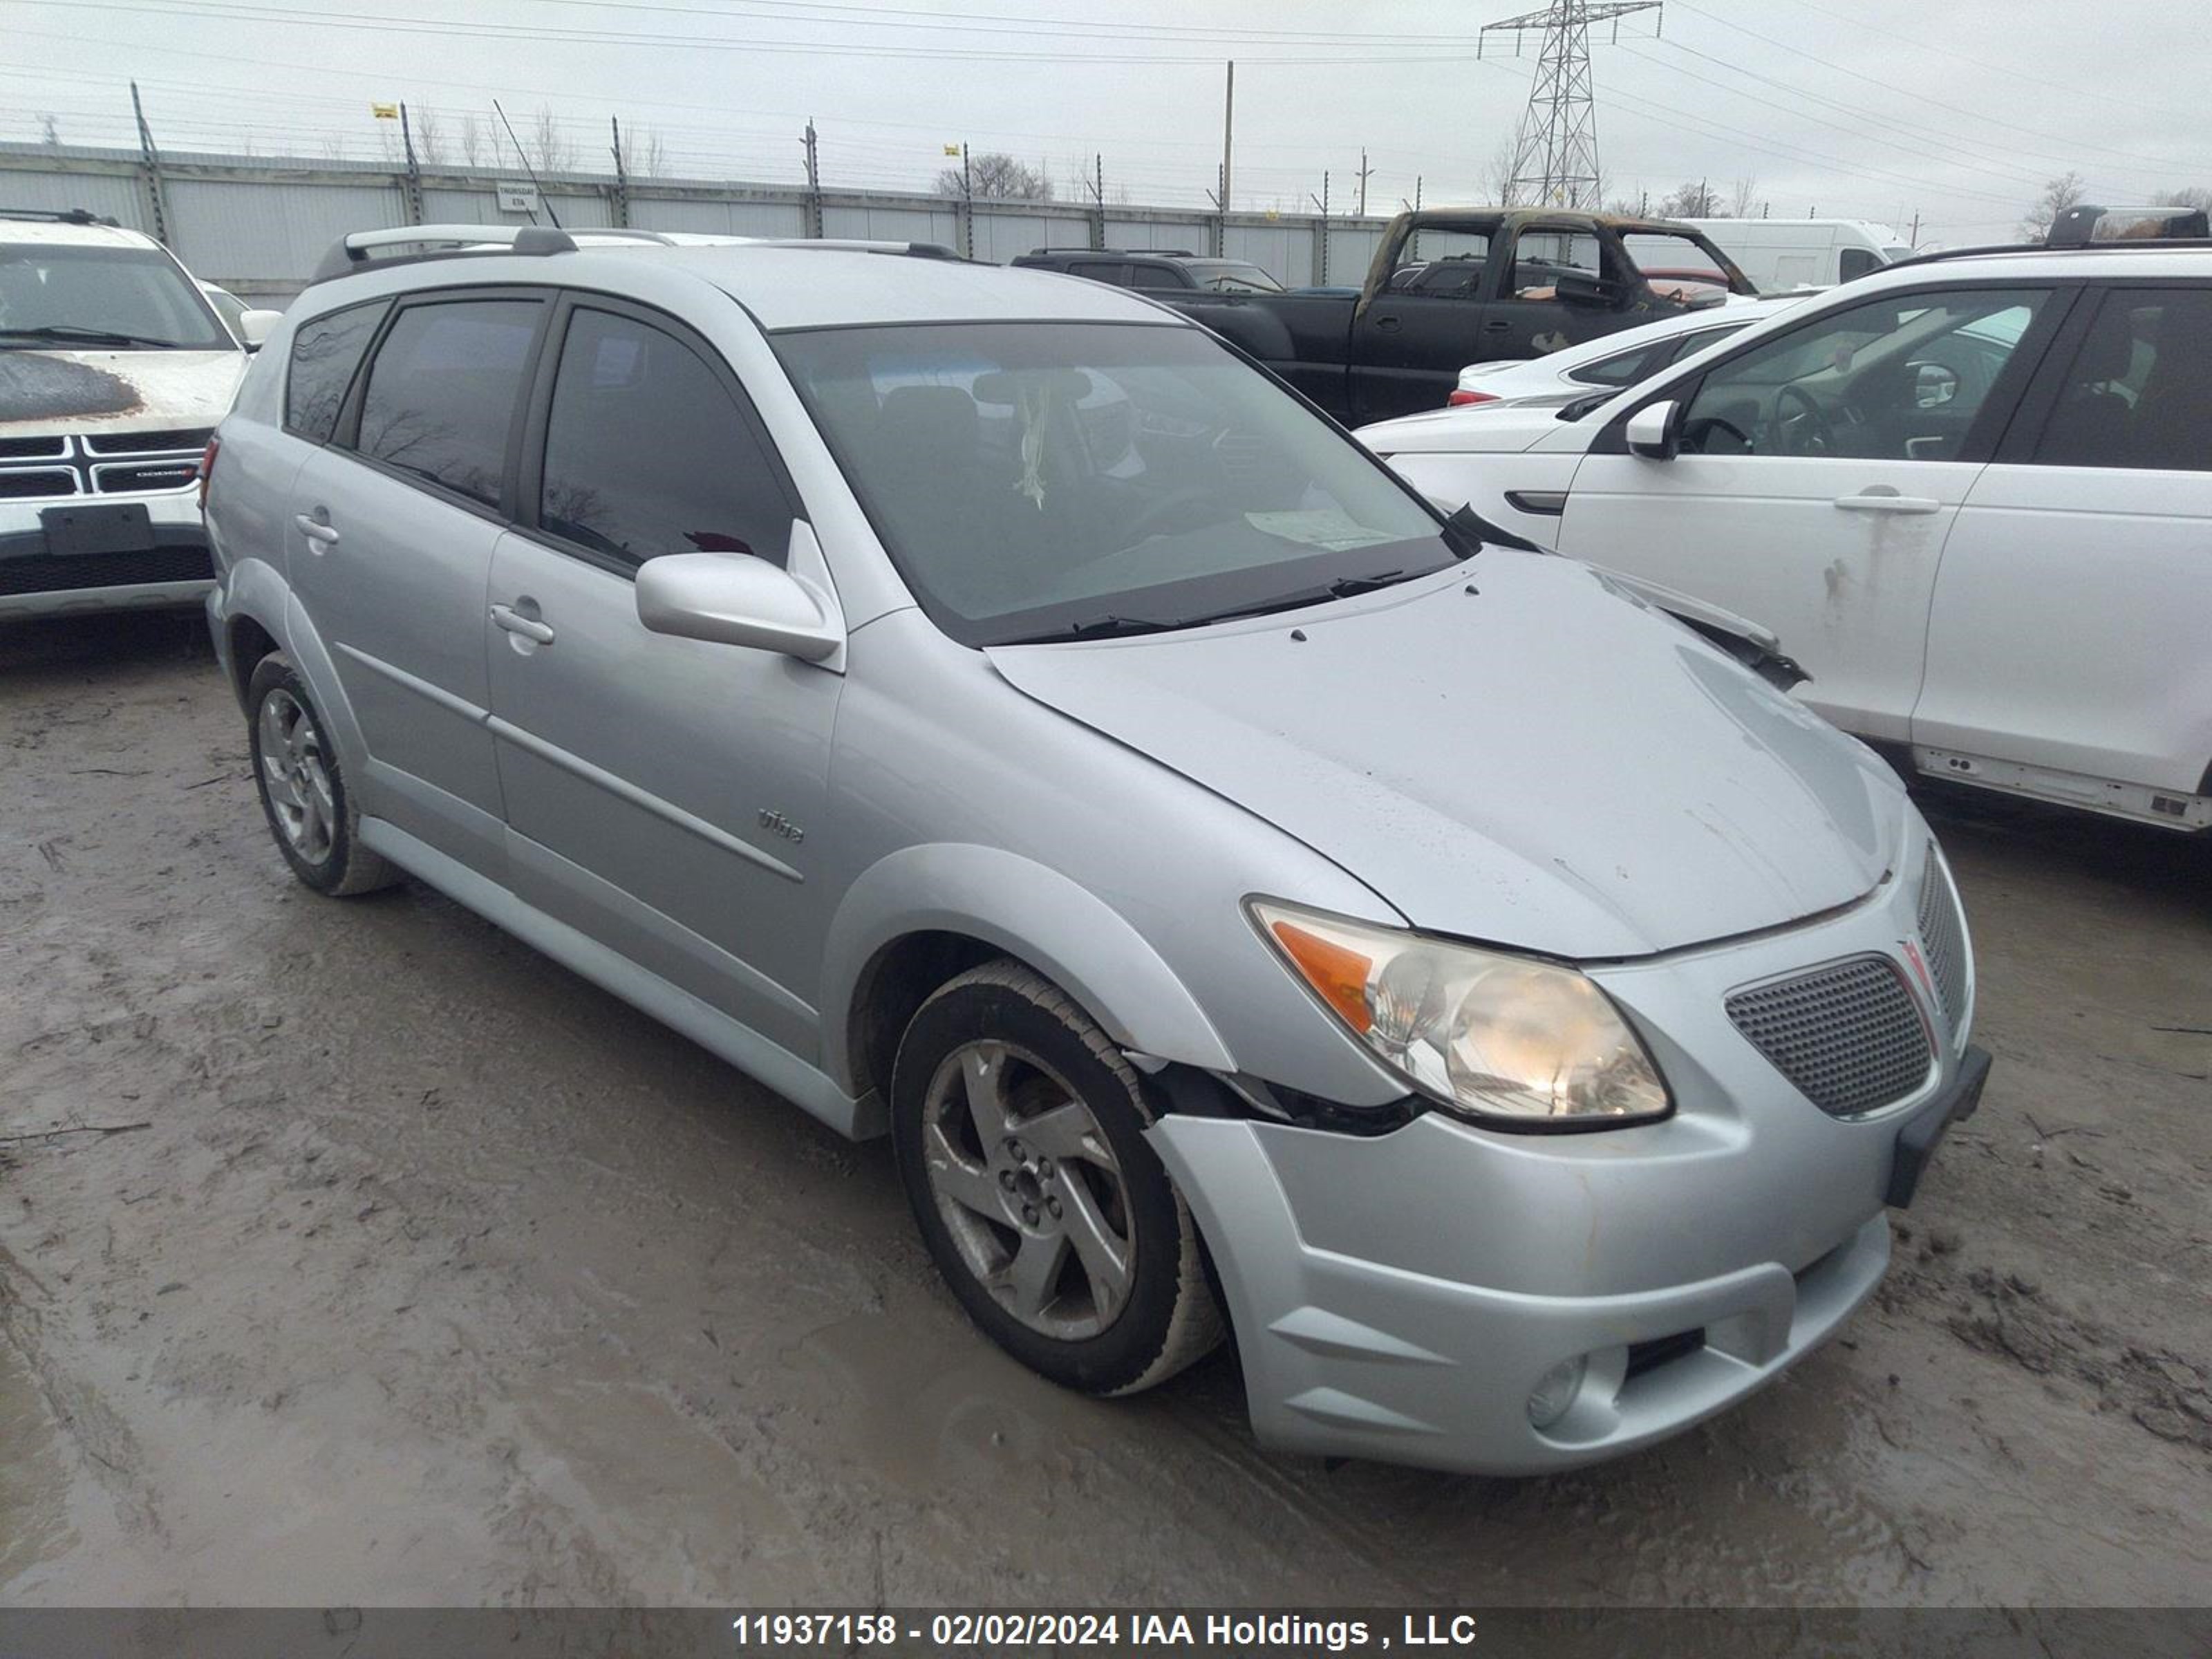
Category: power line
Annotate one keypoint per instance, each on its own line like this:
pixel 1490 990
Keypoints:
pixel 1891 86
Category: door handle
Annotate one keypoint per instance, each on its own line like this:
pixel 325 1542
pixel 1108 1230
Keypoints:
pixel 515 622
pixel 1498 327
pixel 1877 501
pixel 317 528
pixel 1388 325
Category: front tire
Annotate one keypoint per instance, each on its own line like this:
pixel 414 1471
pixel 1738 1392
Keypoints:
pixel 1018 1130
pixel 311 816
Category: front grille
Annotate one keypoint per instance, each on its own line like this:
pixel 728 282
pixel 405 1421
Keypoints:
pixel 1943 937
pixel 131 477
pixel 44 573
pixel 43 481
pixel 149 443
pixel 31 449
pixel 1847 1035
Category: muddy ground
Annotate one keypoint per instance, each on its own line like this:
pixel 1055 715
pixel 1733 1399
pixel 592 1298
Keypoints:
pixel 434 1275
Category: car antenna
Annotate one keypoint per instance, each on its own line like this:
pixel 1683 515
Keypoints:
pixel 526 168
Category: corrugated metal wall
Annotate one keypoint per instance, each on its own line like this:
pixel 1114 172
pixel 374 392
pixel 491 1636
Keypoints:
pixel 259 225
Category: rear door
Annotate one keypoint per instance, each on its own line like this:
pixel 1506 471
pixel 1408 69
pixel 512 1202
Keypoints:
pixel 658 790
pixel 391 531
pixel 2067 632
pixel 1819 473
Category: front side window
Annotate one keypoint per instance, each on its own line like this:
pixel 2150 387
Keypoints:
pixel 443 390
pixel 2137 393
pixel 1900 379
pixel 1855 262
pixel 1043 480
pixel 324 354
pixel 125 298
pixel 646 452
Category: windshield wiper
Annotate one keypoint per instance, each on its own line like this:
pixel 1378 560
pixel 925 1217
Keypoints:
pixel 76 335
pixel 1101 627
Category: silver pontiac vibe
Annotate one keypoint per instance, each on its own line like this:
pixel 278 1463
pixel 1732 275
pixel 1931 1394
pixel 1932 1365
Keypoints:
pixel 984 708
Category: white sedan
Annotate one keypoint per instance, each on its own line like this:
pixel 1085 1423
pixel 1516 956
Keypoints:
pixel 1607 362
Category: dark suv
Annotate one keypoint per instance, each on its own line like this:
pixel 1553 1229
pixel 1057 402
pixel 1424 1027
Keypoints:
pixel 1153 267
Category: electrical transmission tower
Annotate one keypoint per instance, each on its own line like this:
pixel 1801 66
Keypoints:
pixel 1555 155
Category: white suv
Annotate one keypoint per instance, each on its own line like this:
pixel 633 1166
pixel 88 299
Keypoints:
pixel 114 369
pixel 1971 495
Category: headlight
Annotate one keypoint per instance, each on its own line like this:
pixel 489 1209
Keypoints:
pixel 1490 1035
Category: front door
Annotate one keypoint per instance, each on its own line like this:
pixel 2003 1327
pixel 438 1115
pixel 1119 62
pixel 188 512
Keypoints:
pixel 2069 627
pixel 1411 339
pixel 1820 472
pixel 660 792
pixel 391 531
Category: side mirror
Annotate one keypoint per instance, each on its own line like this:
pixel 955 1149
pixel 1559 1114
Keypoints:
pixel 256 326
pixel 736 599
pixel 1653 431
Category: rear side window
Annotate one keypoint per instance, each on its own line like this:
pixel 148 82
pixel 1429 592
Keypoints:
pixel 648 452
pixel 324 354
pixel 2138 393
pixel 1856 262
pixel 443 390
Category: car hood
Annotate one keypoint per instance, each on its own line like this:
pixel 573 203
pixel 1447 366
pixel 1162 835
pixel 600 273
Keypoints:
pixel 43 391
pixel 1541 763
pixel 1461 431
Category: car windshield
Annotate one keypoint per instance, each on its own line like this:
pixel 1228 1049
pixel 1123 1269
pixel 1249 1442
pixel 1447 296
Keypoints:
pixel 1045 480
pixel 56 295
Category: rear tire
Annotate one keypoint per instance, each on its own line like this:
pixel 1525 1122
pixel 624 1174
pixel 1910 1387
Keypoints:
pixel 1018 1130
pixel 311 814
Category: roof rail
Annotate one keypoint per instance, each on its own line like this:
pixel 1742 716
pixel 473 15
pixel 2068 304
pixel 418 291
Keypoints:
pixel 354 252
pixel 1163 252
pixel 62 216
pixel 2077 226
pixel 364 248
pixel 2122 245
pixel 1072 248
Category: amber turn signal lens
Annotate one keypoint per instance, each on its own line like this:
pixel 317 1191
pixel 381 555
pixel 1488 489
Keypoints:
pixel 1338 974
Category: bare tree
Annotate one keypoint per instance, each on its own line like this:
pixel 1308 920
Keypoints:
pixel 554 154
pixel 1742 195
pixel 472 141
pixel 2195 196
pixel 1694 200
pixel 333 146
pixel 643 153
pixel 430 137
pixel 1498 177
pixel 997 176
pixel 50 132
pixel 2061 193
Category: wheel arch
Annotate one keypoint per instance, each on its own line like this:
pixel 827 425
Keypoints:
pixel 922 915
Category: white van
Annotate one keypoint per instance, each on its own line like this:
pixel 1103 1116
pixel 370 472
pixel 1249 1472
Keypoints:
pixel 1781 255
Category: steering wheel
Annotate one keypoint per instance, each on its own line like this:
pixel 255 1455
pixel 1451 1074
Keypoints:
pixel 1695 433
pixel 1806 433
pixel 1149 522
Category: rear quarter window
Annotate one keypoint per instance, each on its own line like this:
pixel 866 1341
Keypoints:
pixel 324 355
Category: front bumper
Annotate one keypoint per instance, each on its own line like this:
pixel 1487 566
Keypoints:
pixel 1401 1296
pixel 176 570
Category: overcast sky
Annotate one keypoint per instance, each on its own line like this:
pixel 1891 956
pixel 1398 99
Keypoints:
pixel 1876 109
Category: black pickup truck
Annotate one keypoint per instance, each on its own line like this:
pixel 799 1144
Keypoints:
pixel 1454 286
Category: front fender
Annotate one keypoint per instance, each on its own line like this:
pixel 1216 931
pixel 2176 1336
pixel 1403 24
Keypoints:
pixel 1062 929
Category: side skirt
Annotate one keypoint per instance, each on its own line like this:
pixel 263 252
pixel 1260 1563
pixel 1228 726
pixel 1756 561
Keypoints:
pixel 711 1029
pixel 2169 809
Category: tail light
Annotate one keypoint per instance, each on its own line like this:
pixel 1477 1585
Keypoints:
pixel 1461 399
pixel 207 469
